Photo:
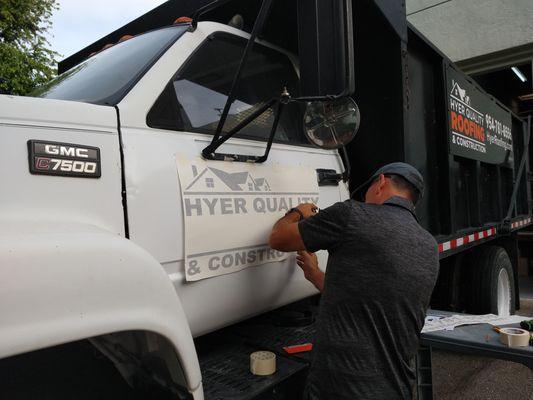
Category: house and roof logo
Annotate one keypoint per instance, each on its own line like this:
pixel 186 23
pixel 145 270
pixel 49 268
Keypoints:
pixel 215 180
pixel 460 93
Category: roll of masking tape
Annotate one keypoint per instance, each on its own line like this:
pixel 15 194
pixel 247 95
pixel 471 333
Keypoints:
pixel 514 337
pixel 262 363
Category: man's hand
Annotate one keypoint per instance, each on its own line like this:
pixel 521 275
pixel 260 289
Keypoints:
pixel 285 235
pixel 308 262
pixel 307 209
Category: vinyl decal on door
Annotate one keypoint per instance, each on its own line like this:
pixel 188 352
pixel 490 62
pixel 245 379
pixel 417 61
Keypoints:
pixel 229 210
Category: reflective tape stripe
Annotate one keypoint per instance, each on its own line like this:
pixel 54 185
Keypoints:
pixel 521 223
pixel 462 240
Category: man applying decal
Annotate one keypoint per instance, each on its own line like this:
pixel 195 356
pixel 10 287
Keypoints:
pixel 381 271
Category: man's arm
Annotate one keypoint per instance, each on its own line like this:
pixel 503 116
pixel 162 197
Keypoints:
pixel 285 235
pixel 308 262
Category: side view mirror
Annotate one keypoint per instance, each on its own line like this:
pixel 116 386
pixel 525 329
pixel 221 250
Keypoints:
pixel 332 124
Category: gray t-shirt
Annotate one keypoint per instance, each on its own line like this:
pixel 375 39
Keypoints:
pixel 381 270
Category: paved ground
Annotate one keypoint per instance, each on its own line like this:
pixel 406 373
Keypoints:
pixel 458 377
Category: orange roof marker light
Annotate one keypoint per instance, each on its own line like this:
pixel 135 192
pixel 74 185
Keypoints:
pixel 107 46
pixel 124 38
pixel 182 20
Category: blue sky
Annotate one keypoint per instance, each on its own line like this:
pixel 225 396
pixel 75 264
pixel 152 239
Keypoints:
pixel 81 22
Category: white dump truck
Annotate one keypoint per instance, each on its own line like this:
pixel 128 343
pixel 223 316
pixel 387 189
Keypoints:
pixel 115 228
pixel 140 186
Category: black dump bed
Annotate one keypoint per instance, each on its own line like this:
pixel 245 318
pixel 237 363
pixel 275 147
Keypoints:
pixel 418 107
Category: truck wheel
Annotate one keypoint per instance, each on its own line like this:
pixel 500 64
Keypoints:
pixel 491 282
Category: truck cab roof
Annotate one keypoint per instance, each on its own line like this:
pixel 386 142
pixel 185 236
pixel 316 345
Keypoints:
pixel 108 75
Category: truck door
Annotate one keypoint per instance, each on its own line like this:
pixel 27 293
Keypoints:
pixel 180 122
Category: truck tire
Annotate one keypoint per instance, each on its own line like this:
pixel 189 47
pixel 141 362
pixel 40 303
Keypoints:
pixel 491 284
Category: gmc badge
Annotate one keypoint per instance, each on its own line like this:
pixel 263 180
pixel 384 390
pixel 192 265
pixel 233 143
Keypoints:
pixel 64 159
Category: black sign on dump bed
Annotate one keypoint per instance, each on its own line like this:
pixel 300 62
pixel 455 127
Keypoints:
pixel 478 127
pixel 64 159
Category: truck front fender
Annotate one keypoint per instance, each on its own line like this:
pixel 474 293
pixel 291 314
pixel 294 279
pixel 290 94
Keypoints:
pixel 65 282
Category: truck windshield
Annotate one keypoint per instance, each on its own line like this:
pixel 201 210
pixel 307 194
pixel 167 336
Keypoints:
pixel 106 77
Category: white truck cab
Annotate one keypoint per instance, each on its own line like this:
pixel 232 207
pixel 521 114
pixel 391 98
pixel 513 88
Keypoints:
pixel 97 232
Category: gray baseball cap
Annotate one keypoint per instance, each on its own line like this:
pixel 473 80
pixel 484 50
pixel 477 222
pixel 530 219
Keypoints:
pixel 406 171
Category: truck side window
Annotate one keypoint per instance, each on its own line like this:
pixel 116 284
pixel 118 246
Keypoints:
pixel 193 101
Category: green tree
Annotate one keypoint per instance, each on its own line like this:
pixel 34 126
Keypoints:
pixel 26 61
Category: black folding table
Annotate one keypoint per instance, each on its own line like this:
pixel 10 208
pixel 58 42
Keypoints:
pixel 477 340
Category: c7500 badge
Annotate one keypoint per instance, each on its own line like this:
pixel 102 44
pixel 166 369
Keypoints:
pixel 64 159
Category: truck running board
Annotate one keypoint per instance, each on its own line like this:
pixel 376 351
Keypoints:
pixel 226 374
pixel 225 357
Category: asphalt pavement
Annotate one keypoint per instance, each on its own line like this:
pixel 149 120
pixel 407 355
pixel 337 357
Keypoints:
pixel 457 377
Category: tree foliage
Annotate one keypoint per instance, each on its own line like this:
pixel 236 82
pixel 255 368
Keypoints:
pixel 26 61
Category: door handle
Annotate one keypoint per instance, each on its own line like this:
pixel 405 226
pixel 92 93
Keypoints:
pixel 328 177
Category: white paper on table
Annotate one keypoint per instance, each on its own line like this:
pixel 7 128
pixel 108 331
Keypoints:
pixel 442 322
